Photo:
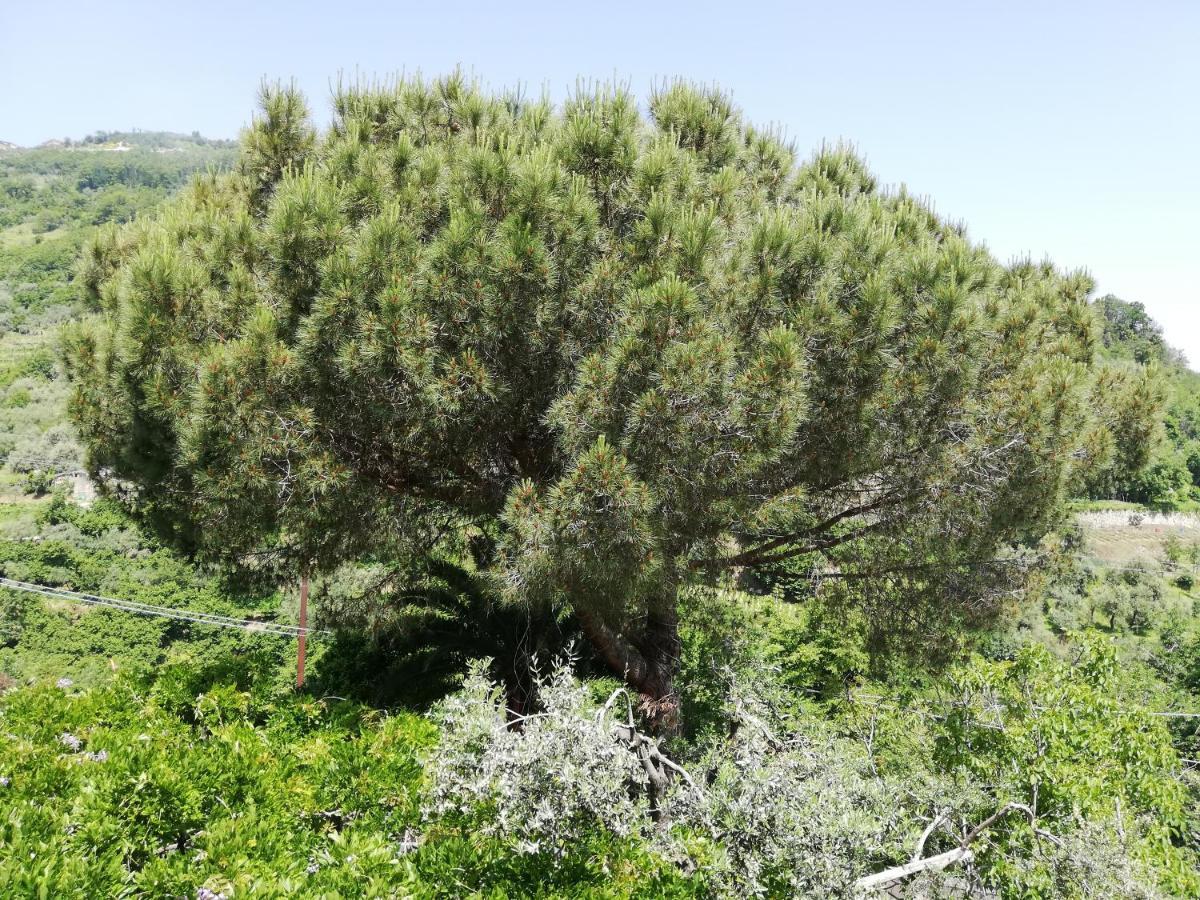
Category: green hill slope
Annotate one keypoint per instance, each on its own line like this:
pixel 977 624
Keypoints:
pixel 52 198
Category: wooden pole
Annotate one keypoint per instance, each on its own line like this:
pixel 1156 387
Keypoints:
pixel 303 639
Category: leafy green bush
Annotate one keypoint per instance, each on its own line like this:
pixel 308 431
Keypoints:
pixel 1058 738
pixel 214 774
pixel 544 786
pixel 780 806
pixel 96 550
pixel 763 820
pixel 111 792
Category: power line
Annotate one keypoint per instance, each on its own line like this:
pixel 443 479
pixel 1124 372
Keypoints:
pixel 149 609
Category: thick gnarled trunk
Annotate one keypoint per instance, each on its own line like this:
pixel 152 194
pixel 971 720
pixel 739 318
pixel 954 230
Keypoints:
pixel 647 659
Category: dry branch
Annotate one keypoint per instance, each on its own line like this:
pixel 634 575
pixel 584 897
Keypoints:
pixel 961 853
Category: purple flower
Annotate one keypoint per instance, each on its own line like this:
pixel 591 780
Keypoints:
pixel 99 756
pixel 69 741
pixel 64 683
pixel 206 894
pixel 5 781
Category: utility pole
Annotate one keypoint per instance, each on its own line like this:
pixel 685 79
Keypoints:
pixel 303 638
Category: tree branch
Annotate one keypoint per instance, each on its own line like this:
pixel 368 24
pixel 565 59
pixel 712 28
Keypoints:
pixel 746 556
pixel 826 544
pixel 941 817
pixel 929 864
pixel 755 558
pixel 961 853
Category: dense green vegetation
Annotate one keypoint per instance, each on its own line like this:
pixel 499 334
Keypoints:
pixel 540 398
pixel 174 758
pixel 1172 478
pixel 52 201
pixel 97 551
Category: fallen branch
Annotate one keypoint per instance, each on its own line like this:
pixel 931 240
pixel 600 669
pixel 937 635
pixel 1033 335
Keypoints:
pixel 619 692
pixel 653 759
pixel 652 756
pixel 928 864
pixel 1005 810
pixel 943 816
pixel 961 853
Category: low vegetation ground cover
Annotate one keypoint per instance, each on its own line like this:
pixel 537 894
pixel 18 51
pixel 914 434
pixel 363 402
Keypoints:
pixel 192 764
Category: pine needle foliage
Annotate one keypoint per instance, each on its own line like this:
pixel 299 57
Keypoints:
pixel 637 349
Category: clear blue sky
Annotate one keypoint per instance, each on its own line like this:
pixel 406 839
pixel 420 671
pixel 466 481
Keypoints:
pixel 1067 129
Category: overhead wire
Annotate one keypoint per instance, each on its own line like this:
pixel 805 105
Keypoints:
pixel 257 626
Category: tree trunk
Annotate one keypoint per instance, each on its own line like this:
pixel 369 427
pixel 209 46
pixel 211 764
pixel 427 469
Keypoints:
pixel 661 646
pixel 517 694
pixel 647 660
pixel 518 667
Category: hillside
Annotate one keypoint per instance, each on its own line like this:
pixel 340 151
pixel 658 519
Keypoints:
pixel 54 198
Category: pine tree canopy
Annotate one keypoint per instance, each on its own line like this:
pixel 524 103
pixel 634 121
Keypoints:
pixel 608 354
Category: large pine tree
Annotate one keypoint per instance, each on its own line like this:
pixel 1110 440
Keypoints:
pixel 606 354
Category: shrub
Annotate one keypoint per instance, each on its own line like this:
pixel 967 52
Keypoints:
pixel 761 817
pixel 797 815
pixel 108 793
pixel 544 785
pixel 1057 737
